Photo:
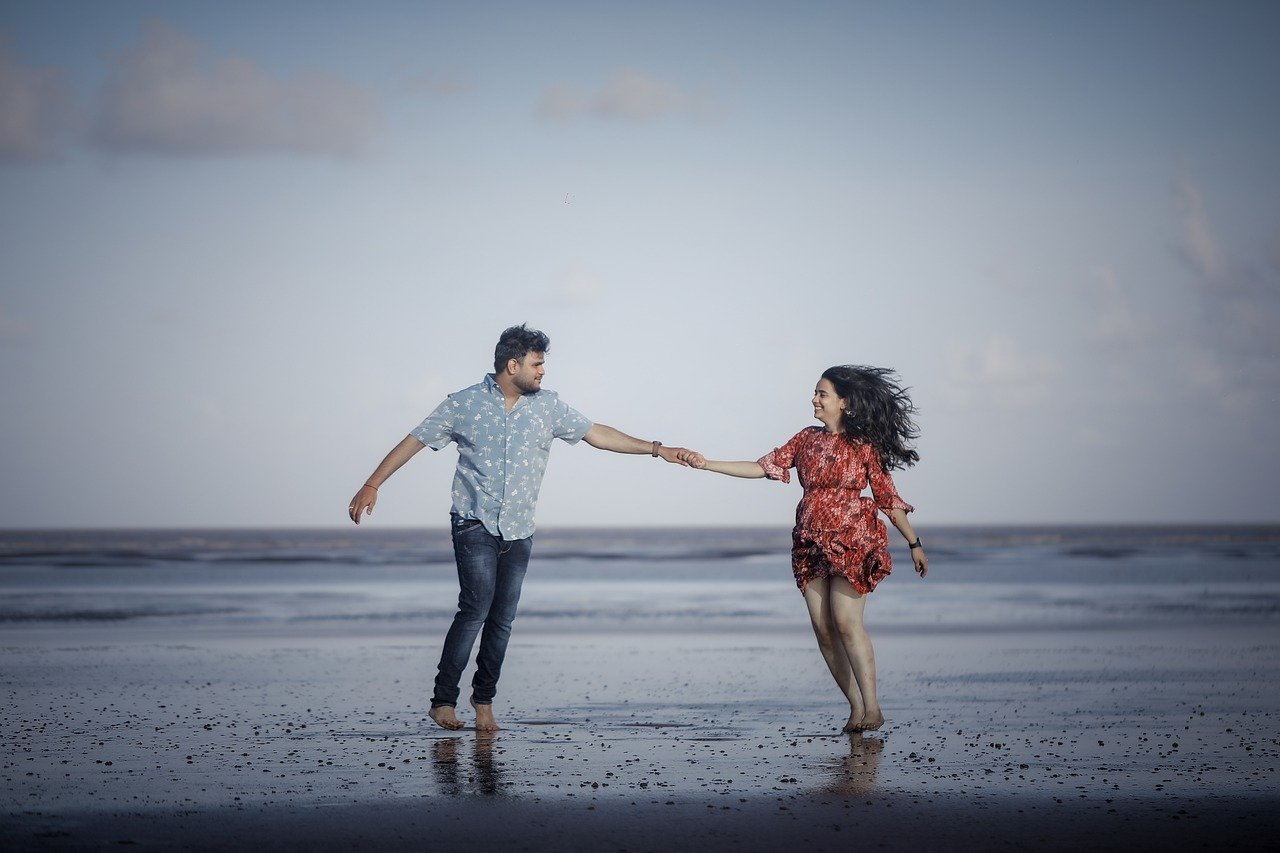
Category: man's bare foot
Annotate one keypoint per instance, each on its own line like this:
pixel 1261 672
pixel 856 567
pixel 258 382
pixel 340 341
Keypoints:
pixel 872 720
pixel 445 717
pixel 484 718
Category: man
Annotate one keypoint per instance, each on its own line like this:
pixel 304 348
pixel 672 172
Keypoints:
pixel 503 427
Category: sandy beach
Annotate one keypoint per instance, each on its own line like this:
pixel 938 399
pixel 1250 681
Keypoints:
pixel 1045 689
pixel 160 739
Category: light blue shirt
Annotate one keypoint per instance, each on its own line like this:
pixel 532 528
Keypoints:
pixel 501 455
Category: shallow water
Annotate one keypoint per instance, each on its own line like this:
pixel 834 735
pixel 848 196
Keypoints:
pixel 634 580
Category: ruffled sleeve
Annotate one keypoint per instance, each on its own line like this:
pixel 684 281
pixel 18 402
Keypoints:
pixel 882 488
pixel 776 462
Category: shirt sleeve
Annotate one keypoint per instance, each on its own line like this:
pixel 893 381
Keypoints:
pixel 569 424
pixel 882 488
pixel 776 462
pixel 436 430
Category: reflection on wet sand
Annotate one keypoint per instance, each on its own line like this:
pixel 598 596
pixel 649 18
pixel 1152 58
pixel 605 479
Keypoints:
pixel 486 775
pixel 855 773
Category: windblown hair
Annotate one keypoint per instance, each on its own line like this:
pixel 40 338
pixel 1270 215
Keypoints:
pixel 517 342
pixel 879 413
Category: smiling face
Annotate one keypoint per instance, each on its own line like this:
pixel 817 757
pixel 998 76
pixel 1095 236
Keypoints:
pixel 828 406
pixel 529 372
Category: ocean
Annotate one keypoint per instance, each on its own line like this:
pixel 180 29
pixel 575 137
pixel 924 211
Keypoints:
pixel 635 580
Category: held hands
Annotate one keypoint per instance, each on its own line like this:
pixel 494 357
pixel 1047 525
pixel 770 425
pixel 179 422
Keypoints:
pixel 689 458
pixel 682 456
pixel 362 503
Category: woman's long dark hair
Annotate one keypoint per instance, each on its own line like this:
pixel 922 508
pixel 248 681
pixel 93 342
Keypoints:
pixel 880 412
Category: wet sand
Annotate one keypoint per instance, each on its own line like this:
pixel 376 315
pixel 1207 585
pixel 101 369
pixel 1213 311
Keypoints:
pixel 1151 738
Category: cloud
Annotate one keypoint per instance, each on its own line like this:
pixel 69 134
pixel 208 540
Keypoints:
pixel 1223 353
pixel 999 360
pixel 628 96
pixel 435 85
pixel 1195 238
pixel 1237 340
pixel 36 108
pixel 162 97
pixel 999 370
pixel 1114 321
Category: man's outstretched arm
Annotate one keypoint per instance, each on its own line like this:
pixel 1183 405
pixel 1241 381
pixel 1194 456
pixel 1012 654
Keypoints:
pixel 607 438
pixel 362 503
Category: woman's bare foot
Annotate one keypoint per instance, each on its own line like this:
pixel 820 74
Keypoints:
pixel 856 716
pixel 484 718
pixel 872 720
pixel 445 717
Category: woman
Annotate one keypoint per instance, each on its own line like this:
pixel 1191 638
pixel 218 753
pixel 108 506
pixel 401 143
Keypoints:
pixel 840 548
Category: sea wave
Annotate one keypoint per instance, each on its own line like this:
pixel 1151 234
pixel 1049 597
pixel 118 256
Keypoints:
pixel 690 579
pixel 91 549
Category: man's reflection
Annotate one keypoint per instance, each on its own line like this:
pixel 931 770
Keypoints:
pixel 486 774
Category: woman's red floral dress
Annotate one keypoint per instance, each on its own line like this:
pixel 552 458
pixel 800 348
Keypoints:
pixel 837 530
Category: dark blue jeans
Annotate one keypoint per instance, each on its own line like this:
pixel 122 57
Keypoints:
pixel 490 573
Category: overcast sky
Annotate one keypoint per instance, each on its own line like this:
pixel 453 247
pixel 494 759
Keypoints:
pixel 246 247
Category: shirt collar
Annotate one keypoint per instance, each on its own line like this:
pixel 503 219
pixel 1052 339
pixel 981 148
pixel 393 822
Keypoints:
pixel 493 389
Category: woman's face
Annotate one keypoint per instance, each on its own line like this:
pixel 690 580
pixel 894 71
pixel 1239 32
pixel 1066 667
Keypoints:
pixel 828 407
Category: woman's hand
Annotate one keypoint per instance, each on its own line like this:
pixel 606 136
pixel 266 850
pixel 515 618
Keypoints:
pixel 921 560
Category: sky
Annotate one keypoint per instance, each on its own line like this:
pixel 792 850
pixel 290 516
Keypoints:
pixel 245 248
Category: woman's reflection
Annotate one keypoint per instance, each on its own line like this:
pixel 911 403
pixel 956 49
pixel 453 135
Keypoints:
pixel 855 773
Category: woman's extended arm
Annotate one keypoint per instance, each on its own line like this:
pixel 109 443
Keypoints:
pixel 749 470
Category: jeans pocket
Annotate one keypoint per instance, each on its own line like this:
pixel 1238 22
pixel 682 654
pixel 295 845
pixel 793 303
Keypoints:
pixel 462 526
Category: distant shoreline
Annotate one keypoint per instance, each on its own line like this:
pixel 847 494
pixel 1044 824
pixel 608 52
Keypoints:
pixel 373 527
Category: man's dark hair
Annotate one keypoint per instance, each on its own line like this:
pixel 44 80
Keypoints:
pixel 517 342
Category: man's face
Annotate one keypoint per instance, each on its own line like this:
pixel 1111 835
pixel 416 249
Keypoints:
pixel 529 372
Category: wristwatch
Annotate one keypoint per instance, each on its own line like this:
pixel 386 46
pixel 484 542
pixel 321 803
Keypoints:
pixel 915 544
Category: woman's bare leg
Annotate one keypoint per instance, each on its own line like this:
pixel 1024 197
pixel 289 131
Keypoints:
pixel 847 605
pixel 816 598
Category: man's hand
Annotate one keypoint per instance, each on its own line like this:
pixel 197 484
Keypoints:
pixel 362 503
